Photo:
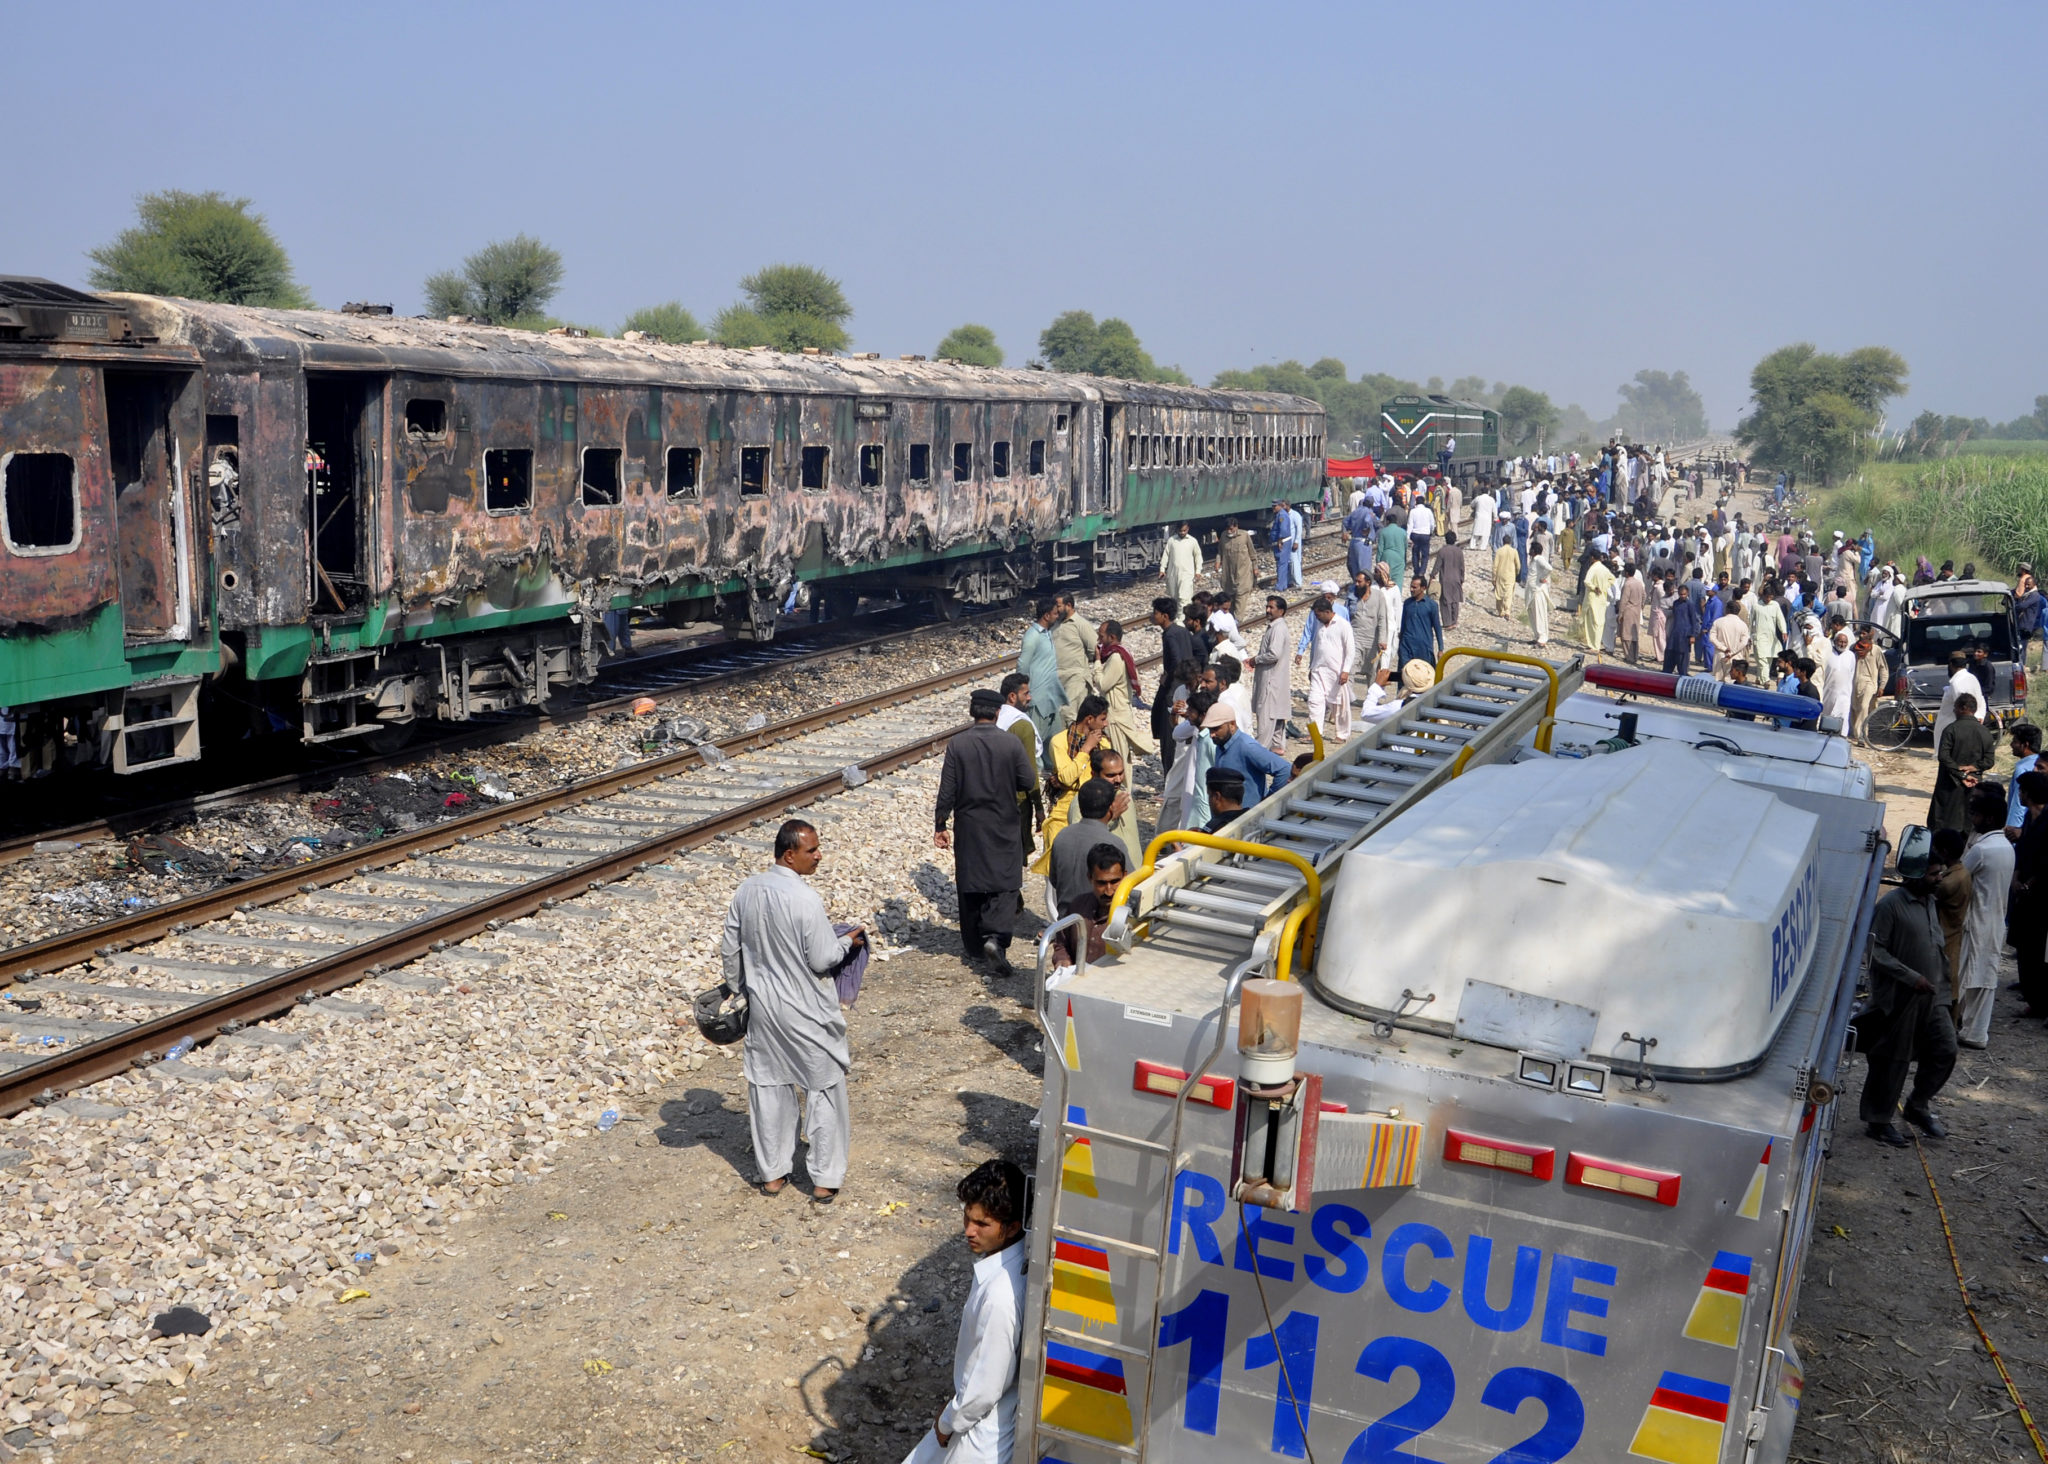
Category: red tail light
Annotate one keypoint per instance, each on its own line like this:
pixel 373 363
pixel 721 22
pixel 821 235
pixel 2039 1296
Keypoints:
pixel 1899 687
pixel 2019 684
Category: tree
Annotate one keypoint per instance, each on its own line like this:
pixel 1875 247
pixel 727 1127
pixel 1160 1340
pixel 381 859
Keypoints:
pixel 1075 342
pixel 1526 418
pixel 973 344
pixel 789 307
pixel 1353 407
pixel 199 246
pixel 668 322
pixel 508 282
pixel 1816 412
pixel 1661 406
pixel 741 327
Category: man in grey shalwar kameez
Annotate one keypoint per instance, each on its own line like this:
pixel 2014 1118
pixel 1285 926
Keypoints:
pixel 1273 678
pixel 780 951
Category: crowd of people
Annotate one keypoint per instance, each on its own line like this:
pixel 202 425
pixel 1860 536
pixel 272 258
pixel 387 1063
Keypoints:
pixel 1039 786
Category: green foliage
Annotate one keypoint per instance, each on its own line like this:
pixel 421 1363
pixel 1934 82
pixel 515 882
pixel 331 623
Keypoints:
pixel 1816 412
pixel 790 307
pixel 1660 406
pixel 742 327
pixel 507 282
pixel 1075 342
pixel 1993 509
pixel 1353 407
pixel 1527 417
pixel 973 344
pixel 668 322
pixel 199 246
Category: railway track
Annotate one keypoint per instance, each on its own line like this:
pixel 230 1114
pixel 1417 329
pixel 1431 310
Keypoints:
pixel 659 677
pixel 370 912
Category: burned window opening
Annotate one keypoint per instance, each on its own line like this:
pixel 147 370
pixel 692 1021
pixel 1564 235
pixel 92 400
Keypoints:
pixel 601 476
pixel 963 461
pixel 426 419
pixel 753 470
pixel 872 458
pixel 920 462
pixel 816 468
pixel 999 460
pixel 41 502
pixel 1060 422
pixel 683 463
pixel 1038 457
pixel 508 480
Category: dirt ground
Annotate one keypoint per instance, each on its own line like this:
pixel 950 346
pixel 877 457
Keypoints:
pixel 640 1302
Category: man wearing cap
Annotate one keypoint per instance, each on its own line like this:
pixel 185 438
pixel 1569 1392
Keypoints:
pixel 1241 753
pixel 1329 671
pixel 984 771
pixel 1226 797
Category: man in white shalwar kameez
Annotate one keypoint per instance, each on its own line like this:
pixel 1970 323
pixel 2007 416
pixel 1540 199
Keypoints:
pixel 1329 671
pixel 1838 681
pixel 978 1425
pixel 1989 858
pixel 779 950
pixel 1182 565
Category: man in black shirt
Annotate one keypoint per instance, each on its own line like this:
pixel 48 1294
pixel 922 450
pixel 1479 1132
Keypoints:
pixel 1908 1020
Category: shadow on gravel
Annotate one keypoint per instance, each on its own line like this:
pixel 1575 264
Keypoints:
pixel 1017 1038
pixel 700 1119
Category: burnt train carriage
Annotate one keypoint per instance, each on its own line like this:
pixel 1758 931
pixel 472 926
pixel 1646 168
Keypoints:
pixel 351 521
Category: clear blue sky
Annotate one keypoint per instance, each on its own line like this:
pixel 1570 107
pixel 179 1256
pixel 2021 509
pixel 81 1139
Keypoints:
pixel 1552 194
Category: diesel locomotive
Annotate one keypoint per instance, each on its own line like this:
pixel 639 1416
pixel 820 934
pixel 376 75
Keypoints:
pixel 222 521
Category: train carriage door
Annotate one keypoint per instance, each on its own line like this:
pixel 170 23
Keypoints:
pixel 1112 482
pixel 143 458
pixel 342 423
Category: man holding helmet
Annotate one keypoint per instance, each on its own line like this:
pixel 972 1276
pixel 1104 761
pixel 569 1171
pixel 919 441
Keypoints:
pixel 1908 1018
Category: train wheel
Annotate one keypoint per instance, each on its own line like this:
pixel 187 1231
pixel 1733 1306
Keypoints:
pixel 390 738
pixel 1890 725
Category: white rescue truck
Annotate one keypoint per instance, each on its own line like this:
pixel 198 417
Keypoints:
pixel 1514 1027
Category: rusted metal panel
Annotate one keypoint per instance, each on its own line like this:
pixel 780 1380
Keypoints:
pixel 58 407
pixel 557 397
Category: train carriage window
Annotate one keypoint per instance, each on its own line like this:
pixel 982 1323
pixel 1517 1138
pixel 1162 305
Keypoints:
pixel 817 468
pixel 999 460
pixel 872 457
pixel 1060 422
pixel 963 461
pixel 426 420
pixel 1037 457
pixel 508 480
pixel 1131 450
pixel 684 465
pixel 1209 448
pixel 41 502
pixel 920 462
pixel 601 476
pixel 753 470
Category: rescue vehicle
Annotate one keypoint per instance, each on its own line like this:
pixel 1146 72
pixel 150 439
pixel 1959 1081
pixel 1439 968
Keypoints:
pixel 1464 1100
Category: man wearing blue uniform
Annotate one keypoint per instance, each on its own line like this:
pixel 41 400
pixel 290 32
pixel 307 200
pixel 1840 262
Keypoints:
pixel 1283 546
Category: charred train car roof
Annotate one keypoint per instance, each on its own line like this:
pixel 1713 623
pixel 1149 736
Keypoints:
pixel 318 340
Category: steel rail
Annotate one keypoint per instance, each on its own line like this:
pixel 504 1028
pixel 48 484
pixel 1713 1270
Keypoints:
pixel 517 722
pixel 267 997
pixel 71 947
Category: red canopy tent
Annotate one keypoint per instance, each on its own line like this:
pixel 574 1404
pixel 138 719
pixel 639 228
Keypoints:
pixel 1359 467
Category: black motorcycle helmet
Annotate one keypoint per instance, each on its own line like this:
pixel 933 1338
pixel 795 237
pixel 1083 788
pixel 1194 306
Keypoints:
pixel 721 1016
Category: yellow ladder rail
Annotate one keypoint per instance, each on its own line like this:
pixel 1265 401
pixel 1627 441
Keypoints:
pixel 1549 702
pixel 1301 919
